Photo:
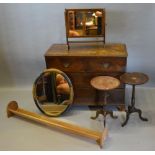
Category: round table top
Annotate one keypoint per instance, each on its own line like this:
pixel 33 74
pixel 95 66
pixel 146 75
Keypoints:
pixel 104 82
pixel 134 78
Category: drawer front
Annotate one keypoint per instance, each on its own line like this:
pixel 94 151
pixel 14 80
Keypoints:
pixel 82 80
pixel 87 64
pixel 87 97
pixel 65 64
pixel 106 65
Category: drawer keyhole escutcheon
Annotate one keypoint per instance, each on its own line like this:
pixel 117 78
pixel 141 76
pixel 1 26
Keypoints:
pixel 106 65
pixel 66 65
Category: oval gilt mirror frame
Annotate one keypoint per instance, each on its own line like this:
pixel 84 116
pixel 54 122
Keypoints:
pixel 53 92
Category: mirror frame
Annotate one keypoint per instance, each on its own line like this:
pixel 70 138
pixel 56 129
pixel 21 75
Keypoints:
pixel 85 36
pixel 34 91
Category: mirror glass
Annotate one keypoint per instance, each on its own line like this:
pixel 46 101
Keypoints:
pixel 53 92
pixel 85 22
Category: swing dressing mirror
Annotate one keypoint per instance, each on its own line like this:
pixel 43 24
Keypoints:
pixel 85 23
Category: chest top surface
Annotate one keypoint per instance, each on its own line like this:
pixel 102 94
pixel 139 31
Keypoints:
pixel 95 50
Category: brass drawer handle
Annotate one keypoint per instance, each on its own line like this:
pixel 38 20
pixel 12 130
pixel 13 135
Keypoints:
pixel 106 65
pixel 66 65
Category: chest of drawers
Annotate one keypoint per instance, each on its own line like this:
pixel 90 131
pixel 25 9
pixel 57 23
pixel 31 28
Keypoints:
pixel 85 61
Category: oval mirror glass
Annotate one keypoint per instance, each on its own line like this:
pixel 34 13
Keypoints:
pixel 53 92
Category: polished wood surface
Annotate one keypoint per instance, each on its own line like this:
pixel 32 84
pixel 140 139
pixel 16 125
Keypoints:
pixel 89 49
pixel 134 78
pixel 87 64
pixel 104 83
pixel 86 61
pixel 99 137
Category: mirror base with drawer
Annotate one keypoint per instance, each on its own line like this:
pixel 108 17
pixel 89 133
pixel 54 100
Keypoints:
pixel 85 61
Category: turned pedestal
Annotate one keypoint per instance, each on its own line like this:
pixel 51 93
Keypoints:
pixel 133 79
pixel 105 84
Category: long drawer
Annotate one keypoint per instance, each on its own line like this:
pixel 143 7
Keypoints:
pixel 87 64
pixel 83 81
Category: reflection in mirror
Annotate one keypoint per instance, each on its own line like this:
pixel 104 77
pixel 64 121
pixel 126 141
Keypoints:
pixel 85 22
pixel 53 92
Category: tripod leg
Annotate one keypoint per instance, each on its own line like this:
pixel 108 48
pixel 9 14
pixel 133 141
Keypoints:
pixel 97 114
pixel 140 115
pixel 127 118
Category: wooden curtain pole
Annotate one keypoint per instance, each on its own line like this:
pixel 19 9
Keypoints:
pixel 99 137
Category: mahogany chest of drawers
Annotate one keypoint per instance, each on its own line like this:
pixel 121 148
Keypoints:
pixel 85 61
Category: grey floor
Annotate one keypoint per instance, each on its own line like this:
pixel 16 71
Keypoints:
pixel 20 134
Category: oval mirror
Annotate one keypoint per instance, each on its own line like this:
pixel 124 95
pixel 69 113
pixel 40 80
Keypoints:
pixel 53 92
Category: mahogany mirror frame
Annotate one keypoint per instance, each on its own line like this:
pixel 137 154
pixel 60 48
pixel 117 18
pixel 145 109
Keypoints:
pixel 69 38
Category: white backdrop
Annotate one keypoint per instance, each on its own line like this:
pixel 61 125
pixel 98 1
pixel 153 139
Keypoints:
pixel 27 31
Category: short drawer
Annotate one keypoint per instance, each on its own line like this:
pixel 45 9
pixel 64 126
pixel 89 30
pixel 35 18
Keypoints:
pixel 112 64
pixel 66 64
pixel 87 64
pixel 82 80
